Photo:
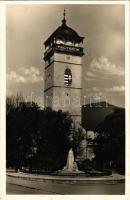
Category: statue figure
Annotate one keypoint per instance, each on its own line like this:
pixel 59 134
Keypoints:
pixel 79 144
pixel 78 150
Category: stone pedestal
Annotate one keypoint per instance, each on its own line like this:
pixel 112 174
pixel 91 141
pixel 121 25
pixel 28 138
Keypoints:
pixel 71 165
pixel 71 168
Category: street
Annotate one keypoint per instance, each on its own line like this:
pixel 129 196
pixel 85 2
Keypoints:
pixel 17 189
pixel 20 186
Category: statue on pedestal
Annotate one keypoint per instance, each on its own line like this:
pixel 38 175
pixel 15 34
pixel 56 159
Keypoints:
pixel 77 144
pixel 71 165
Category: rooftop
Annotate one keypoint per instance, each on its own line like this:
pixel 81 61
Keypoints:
pixel 65 33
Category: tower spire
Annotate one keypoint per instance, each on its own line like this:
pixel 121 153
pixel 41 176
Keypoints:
pixel 64 20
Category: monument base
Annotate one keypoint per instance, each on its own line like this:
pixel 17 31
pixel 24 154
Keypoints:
pixel 71 168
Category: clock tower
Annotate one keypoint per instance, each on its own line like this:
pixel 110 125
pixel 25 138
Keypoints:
pixel 63 70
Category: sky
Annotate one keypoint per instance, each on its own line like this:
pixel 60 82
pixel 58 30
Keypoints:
pixel 103 26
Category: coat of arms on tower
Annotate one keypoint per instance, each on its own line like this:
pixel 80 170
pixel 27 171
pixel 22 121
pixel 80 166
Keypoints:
pixel 67 77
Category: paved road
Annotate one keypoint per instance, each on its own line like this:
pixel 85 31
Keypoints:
pixel 19 186
pixel 17 189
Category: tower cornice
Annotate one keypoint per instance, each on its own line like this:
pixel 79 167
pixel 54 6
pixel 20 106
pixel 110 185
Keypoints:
pixel 61 48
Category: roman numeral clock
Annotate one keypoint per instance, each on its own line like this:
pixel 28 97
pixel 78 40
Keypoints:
pixel 63 70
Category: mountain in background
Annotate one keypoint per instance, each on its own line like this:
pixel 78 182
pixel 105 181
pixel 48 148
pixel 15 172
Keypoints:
pixel 94 113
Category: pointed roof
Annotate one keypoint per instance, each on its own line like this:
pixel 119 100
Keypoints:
pixel 66 33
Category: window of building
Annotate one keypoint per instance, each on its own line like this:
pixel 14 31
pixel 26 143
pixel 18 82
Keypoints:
pixel 69 43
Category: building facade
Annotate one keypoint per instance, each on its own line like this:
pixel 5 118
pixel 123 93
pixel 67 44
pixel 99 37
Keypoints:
pixel 63 70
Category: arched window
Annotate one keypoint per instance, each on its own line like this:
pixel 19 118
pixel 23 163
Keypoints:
pixel 68 77
pixel 69 43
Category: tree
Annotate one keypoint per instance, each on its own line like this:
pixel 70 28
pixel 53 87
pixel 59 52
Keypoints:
pixel 20 128
pixel 53 141
pixel 37 139
pixel 110 141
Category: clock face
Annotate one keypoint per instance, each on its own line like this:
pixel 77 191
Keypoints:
pixel 67 77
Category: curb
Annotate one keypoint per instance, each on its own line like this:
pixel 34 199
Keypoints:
pixel 74 180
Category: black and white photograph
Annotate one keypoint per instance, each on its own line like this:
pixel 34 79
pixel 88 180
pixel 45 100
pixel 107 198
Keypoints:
pixel 65 99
